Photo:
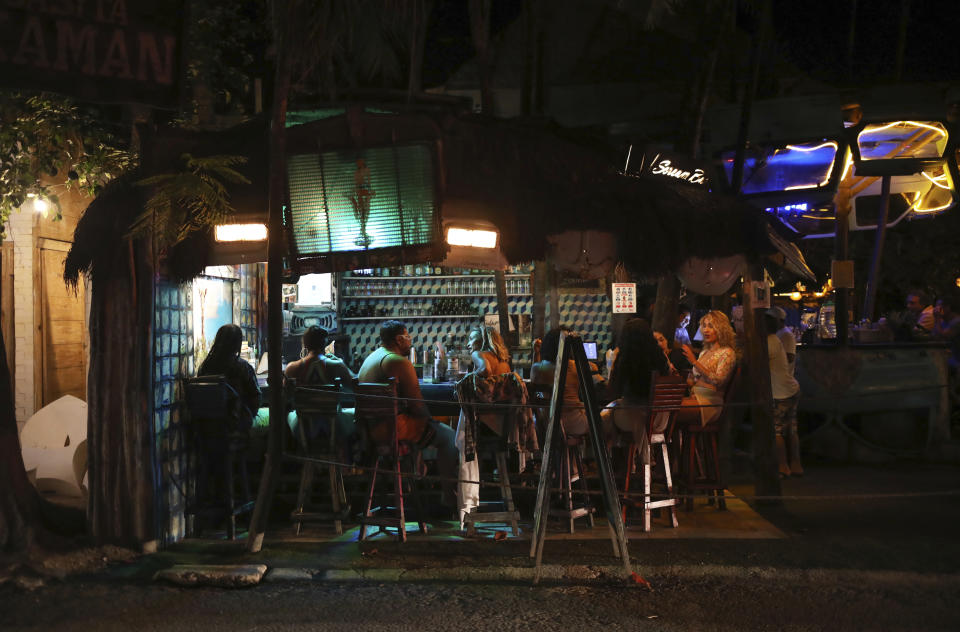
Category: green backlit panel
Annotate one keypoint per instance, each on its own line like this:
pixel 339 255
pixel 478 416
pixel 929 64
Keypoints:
pixel 398 184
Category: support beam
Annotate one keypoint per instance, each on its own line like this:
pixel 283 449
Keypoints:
pixel 757 364
pixel 873 281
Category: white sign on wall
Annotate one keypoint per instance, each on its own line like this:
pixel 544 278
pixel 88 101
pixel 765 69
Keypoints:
pixel 624 298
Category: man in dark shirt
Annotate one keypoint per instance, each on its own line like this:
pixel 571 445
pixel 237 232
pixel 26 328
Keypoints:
pixel 414 422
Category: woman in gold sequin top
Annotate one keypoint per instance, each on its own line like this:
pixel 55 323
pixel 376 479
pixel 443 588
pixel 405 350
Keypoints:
pixel 712 369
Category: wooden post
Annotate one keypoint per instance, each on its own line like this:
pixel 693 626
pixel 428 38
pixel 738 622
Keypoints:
pixel 503 306
pixel 842 253
pixel 275 247
pixel 553 287
pixel 869 301
pixel 539 285
pixel 757 363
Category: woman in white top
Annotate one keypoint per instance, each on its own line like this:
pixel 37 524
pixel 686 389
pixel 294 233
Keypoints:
pixel 712 369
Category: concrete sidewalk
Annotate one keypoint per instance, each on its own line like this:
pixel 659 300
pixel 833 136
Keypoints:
pixel 445 553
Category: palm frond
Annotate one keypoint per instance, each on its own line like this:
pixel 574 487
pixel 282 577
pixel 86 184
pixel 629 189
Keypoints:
pixel 190 200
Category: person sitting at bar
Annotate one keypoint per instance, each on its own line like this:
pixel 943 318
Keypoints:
pixel 224 359
pixel 414 422
pixel 919 313
pixel 946 325
pixel 317 367
pixel 640 355
pixel 491 360
pixel 712 369
pixel 573 417
pixel 681 336
pixel 669 354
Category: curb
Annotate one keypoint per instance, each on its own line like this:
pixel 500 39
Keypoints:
pixel 581 573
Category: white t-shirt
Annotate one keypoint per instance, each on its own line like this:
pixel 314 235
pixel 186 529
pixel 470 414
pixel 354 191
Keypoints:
pixel 782 383
pixel 789 347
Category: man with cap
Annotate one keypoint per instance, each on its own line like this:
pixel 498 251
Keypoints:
pixel 786 337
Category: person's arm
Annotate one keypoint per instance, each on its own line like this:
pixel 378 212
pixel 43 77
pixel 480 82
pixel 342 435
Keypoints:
pixel 726 359
pixel 408 386
pixel 292 370
pixel 251 390
pixel 337 368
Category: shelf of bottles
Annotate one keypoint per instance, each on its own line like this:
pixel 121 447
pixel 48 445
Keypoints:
pixel 423 291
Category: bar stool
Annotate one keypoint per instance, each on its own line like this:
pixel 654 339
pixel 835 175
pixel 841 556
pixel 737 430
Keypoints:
pixel 700 454
pixel 496 446
pixel 568 450
pixel 572 471
pixel 376 416
pixel 316 435
pixel 666 397
pixel 210 405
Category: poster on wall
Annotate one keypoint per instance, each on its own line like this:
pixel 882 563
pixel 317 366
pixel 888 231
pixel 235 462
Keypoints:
pixel 624 298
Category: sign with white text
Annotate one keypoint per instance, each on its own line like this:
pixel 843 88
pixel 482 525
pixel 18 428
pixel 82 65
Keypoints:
pixel 93 50
pixel 624 298
pixel 671 167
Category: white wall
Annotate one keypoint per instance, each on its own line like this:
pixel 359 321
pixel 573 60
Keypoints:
pixel 20 229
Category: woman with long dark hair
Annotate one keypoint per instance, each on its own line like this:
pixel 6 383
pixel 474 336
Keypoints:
pixel 224 359
pixel 629 383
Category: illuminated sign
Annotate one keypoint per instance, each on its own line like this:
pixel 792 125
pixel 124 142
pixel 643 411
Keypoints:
pixel 660 165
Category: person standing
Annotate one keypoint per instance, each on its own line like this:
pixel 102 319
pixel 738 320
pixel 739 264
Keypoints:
pixel 414 422
pixel 786 397
pixel 786 337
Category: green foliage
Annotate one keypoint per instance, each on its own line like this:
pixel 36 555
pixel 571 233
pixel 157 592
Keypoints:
pixel 191 200
pixel 48 135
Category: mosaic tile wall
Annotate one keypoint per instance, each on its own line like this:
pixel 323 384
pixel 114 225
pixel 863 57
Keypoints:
pixel 245 299
pixel 173 359
pixel 588 314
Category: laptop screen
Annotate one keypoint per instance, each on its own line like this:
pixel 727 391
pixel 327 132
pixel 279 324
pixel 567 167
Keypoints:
pixel 591 350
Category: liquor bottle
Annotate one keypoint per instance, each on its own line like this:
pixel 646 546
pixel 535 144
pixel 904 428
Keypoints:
pixel 437 270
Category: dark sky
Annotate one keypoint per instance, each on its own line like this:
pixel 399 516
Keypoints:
pixel 812 34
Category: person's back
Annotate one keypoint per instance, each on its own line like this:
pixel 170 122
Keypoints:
pixel 224 359
pixel 372 369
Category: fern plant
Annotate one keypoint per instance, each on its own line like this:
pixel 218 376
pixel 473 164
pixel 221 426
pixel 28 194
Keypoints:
pixel 190 200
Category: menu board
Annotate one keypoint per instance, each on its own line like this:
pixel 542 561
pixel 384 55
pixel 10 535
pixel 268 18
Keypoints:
pixel 624 298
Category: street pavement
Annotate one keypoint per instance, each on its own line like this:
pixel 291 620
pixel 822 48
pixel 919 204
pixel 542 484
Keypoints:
pixel 858 560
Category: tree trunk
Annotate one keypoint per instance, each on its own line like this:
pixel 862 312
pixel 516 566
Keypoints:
pixel 271 469
pixel 119 397
pixel 19 500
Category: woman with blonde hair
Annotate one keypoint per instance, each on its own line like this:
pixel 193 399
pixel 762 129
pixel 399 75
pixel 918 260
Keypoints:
pixel 712 369
pixel 489 353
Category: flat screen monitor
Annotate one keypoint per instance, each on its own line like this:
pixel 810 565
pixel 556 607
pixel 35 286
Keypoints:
pixel 591 350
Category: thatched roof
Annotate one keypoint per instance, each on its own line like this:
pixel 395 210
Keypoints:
pixel 529 180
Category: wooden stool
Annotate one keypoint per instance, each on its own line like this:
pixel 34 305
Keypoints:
pixel 210 402
pixel 701 459
pixel 316 405
pixel 498 447
pixel 376 410
pixel 570 458
pixel 666 397
pixel 700 454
